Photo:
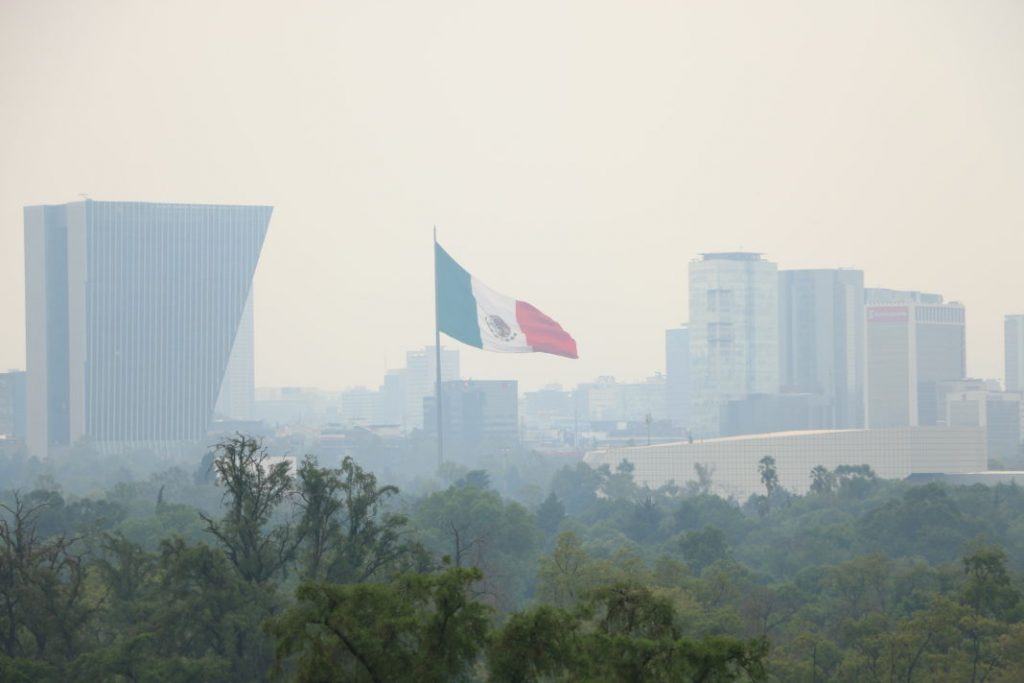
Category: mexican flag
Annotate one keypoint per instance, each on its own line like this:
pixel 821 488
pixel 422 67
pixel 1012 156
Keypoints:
pixel 473 313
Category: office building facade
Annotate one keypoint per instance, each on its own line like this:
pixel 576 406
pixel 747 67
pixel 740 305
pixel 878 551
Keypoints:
pixel 677 376
pixel 733 334
pixel 821 340
pixel 1013 340
pixel 132 312
pixel 914 341
pixel 480 418
pixel 421 380
pixel 12 404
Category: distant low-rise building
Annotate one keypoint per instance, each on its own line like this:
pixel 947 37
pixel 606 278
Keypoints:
pixel 733 461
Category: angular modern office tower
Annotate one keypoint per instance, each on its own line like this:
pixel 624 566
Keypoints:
pixel 1013 340
pixel 132 312
pixel 821 340
pixel 913 342
pixel 734 334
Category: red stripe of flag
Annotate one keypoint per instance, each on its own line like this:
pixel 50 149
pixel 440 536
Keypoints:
pixel 543 333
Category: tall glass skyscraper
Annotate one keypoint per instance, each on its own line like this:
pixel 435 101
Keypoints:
pixel 1013 340
pixel 821 340
pixel 132 312
pixel 734 334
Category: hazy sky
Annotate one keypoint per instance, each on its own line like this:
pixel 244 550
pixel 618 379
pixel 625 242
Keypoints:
pixel 573 154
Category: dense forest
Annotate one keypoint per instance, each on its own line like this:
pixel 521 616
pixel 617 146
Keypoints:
pixel 250 567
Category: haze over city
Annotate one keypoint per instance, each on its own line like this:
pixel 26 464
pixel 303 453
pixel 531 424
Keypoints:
pixel 575 156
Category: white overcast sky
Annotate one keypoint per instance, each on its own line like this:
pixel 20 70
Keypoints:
pixel 573 154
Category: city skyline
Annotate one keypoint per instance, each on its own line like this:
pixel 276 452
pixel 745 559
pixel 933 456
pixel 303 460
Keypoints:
pixel 728 130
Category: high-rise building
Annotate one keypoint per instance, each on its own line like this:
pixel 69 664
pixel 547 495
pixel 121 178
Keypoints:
pixel 132 311
pixel 1013 340
pixel 12 404
pixel 913 342
pixel 677 375
pixel 421 380
pixel 480 418
pixel 392 397
pixel 360 406
pixel 733 334
pixel 821 340
pixel 238 388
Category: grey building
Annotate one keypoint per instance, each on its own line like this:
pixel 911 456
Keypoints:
pixel 821 340
pixel 972 403
pixel 677 375
pixel 1013 340
pixel 132 312
pixel 733 334
pixel 480 418
pixel 914 341
pixel 12 404
pixel 421 381
pixel 237 394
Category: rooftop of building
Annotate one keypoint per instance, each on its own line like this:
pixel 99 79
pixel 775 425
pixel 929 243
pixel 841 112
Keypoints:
pixel 783 435
pixel 732 255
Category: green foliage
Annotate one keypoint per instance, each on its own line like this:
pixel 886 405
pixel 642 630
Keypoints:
pixel 419 628
pixel 473 527
pixel 550 514
pixel 624 632
pixel 860 580
pixel 254 486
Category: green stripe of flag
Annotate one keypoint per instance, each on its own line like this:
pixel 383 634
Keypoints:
pixel 456 306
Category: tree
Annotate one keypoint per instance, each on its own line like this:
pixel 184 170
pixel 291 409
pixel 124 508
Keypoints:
pixel 624 632
pixel 990 594
pixel 475 528
pixel 320 503
pixel 562 575
pixel 540 644
pixel 550 514
pixel 419 628
pixel 372 541
pixel 823 482
pixel 643 521
pixel 703 548
pixel 769 474
pixel 43 582
pixel 254 486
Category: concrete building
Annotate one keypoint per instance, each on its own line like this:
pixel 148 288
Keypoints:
pixel 480 418
pixel 1013 340
pixel 421 380
pixel 132 312
pixel 392 398
pixel 677 376
pixel 733 334
pixel 360 407
pixel 12 404
pixel 913 341
pixel 891 453
pixel 763 413
pixel 606 400
pixel 973 403
pixel 821 340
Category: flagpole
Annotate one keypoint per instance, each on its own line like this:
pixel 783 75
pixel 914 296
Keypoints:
pixel 437 363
